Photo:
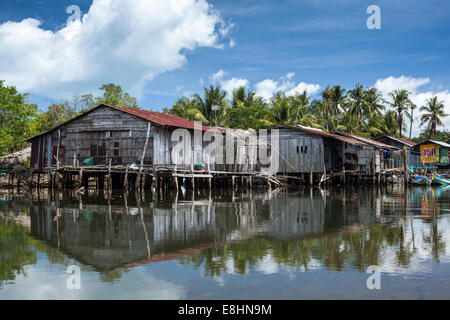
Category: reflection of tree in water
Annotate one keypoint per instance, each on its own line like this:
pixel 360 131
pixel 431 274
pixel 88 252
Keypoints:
pixel 355 248
pixel 435 240
pixel 16 251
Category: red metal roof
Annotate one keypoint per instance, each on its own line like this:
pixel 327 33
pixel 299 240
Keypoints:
pixel 366 140
pixel 160 118
pixel 402 140
pixel 325 134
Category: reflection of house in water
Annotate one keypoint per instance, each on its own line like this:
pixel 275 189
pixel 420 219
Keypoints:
pixel 116 234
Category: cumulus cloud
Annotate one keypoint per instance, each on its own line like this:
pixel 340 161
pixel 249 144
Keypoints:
pixel 125 42
pixel 409 83
pixel 228 85
pixel 418 96
pixel 234 83
pixel 268 87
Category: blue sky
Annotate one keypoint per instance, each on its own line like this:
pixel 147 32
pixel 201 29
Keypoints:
pixel 289 44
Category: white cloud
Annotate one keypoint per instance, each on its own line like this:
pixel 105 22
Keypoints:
pixel 409 83
pixel 268 87
pixel 217 77
pixel 227 85
pixel 125 42
pixel 419 98
pixel 233 83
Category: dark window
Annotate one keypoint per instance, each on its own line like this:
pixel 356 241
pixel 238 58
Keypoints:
pixel 306 149
pixel 302 149
pixel 298 149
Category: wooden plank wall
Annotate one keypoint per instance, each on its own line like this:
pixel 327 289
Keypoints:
pixel 299 151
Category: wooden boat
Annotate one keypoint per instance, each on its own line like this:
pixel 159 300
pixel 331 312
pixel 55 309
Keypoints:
pixel 440 180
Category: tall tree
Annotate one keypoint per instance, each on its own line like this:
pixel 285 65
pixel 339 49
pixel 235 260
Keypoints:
pixel 412 107
pixel 434 111
pixel 187 108
pixel 16 114
pixel 400 103
pixel 113 94
pixel 373 99
pixel 357 104
pixel 213 105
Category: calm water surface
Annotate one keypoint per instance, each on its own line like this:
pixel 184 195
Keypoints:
pixel 304 244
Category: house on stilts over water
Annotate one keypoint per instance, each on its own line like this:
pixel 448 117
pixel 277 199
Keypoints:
pixel 118 147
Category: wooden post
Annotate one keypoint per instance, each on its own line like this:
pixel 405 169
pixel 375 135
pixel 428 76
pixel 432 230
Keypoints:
pixel 57 149
pixel 175 181
pixel 125 181
pixel 311 177
pixel 81 178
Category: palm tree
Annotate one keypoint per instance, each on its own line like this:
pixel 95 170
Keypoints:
pixel 400 103
pixel 281 109
pixel 434 111
pixel 214 97
pixel 247 111
pixel 187 108
pixel 388 123
pixel 373 100
pixel 338 98
pixel 326 106
pixel 301 110
pixel 412 107
pixel 357 104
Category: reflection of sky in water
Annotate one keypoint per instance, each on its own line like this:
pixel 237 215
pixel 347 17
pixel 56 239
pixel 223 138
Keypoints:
pixel 240 250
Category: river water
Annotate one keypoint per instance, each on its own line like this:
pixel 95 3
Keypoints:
pixel 300 244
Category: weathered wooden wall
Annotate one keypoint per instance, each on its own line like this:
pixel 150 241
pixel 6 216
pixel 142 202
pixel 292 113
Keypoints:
pixel 300 152
pixel 106 133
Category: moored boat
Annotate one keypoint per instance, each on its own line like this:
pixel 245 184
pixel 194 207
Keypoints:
pixel 440 180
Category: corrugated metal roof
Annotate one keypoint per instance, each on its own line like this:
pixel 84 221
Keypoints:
pixel 401 140
pixel 443 144
pixel 163 119
pixel 160 118
pixel 367 140
pixel 324 134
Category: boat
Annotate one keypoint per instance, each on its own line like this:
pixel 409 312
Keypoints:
pixel 440 180
pixel 421 180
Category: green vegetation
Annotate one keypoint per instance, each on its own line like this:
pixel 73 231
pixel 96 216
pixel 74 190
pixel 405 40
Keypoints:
pixel 20 119
pixel 362 111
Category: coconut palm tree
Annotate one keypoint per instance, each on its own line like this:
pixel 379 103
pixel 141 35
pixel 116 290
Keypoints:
pixel 400 103
pixel 301 110
pixel 326 106
pixel 213 105
pixel 388 123
pixel 281 109
pixel 433 114
pixel 373 100
pixel 412 107
pixel 187 108
pixel 338 99
pixel 247 111
pixel 357 104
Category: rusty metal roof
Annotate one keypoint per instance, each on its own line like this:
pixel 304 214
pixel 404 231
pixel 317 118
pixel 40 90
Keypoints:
pixel 163 119
pixel 401 140
pixel 366 140
pixel 325 134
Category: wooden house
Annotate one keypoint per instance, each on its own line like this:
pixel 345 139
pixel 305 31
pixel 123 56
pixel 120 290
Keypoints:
pixel 122 135
pixel 372 155
pixel 308 150
pixel 413 157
